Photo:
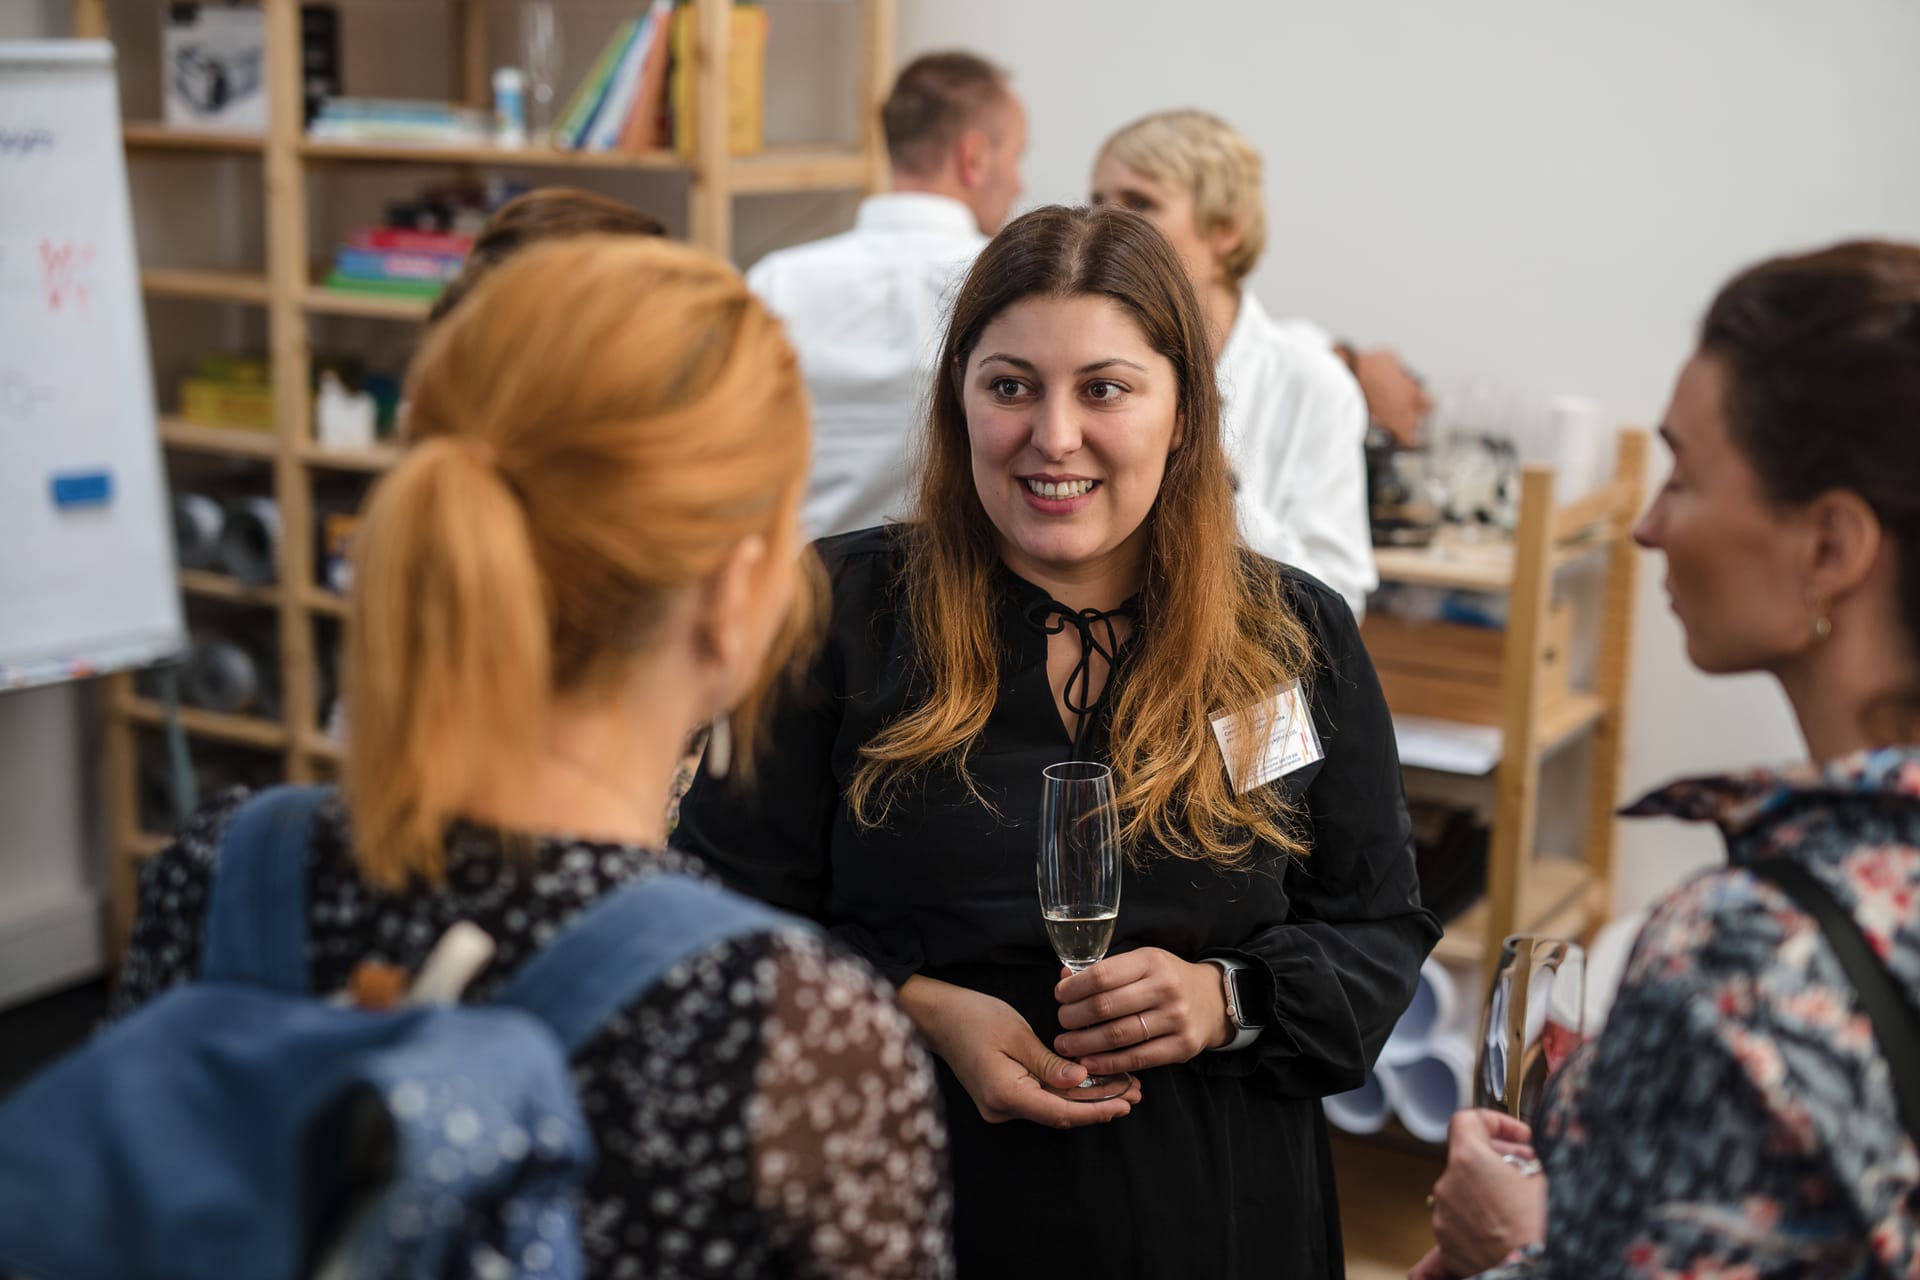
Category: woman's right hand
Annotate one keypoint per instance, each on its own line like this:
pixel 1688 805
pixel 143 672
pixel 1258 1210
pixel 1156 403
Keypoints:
pixel 999 1061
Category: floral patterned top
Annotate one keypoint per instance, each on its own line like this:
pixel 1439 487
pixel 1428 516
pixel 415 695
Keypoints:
pixel 1736 1119
pixel 763 1110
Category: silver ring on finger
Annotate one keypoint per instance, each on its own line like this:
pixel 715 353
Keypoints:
pixel 1145 1035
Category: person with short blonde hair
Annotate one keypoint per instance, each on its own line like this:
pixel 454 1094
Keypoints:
pixel 591 546
pixel 1296 420
pixel 1071 587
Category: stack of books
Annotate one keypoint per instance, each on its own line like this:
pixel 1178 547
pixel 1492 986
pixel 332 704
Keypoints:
pixel 397 263
pixel 405 120
pixel 640 94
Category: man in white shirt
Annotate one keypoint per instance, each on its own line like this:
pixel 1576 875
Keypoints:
pixel 864 309
pixel 1293 417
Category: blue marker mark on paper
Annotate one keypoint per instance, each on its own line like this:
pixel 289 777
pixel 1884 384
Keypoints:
pixel 82 489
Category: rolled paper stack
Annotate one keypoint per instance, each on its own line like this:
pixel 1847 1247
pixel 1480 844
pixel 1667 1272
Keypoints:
pixel 1425 1071
pixel 197 521
pixel 250 541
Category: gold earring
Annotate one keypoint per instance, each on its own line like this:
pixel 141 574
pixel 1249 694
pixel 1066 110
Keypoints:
pixel 1822 624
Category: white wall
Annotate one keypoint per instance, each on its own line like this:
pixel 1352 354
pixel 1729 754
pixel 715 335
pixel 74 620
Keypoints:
pixel 1542 195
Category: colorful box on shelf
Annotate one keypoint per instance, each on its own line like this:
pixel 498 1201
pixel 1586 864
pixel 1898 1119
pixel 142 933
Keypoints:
pixel 228 391
pixel 405 264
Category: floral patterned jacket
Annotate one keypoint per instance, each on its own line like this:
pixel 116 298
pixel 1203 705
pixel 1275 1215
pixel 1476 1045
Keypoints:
pixel 1736 1119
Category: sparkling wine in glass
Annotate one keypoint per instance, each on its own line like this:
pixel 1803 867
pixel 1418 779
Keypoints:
pixel 1535 1017
pixel 1079 874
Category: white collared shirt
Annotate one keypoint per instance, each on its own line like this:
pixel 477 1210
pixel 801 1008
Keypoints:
pixel 1295 425
pixel 865 311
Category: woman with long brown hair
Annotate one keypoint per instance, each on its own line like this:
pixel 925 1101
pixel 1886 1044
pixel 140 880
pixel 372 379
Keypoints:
pixel 1072 587
pixel 591 546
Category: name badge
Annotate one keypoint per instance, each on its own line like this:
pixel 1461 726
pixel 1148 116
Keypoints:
pixel 1291 740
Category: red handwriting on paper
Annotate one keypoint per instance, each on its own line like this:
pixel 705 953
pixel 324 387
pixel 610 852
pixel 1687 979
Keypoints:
pixel 66 275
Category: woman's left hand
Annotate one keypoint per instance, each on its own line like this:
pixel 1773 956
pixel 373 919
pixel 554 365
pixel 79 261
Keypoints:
pixel 1484 1207
pixel 1140 1009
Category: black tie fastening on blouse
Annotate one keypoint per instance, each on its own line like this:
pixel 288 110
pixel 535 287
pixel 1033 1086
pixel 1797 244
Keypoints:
pixel 1050 617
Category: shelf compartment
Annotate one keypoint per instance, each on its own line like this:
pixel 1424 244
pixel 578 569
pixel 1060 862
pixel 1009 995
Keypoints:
pixel 241 442
pixel 220 586
pixel 151 135
pixel 374 458
pixel 206 285
pixel 1558 896
pixel 246 731
pixel 323 301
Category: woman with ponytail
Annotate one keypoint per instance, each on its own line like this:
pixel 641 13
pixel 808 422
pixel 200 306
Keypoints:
pixel 591 547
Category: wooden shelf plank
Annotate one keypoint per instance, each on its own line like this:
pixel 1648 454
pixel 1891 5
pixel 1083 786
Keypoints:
pixel 206 286
pixel 800 169
pixel 320 600
pixel 1563 719
pixel 247 731
pixel 178 433
pixel 426 153
pixel 219 586
pixel 1384 1221
pixel 374 458
pixel 321 747
pixel 151 135
pixel 1554 899
pixel 1448 562
pixel 321 300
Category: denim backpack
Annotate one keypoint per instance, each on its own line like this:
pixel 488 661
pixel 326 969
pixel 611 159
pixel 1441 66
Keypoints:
pixel 240 1127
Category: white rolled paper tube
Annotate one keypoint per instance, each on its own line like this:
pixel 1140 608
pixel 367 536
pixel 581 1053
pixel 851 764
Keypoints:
pixel 197 520
pixel 1430 1011
pixel 220 676
pixel 1362 1110
pixel 1427 1090
pixel 250 541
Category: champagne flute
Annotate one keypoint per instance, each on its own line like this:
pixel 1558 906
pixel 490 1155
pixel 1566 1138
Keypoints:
pixel 1079 874
pixel 1533 1021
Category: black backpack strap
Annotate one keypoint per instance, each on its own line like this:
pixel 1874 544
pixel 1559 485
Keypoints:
pixel 256 929
pixel 1896 1027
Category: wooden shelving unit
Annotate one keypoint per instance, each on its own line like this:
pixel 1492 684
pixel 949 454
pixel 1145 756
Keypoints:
pixel 285 286
pixel 1517 680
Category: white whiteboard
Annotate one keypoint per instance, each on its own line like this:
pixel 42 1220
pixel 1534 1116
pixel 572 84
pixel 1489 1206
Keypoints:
pixel 87 578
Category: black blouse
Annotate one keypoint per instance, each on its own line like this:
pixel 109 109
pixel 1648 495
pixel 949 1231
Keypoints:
pixel 1228 1150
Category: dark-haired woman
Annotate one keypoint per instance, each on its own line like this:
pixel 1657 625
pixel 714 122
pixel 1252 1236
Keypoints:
pixel 1739 1115
pixel 1072 587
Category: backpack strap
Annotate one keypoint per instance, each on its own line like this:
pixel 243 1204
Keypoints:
pixel 257 917
pixel 620 946
pixel 1896 1027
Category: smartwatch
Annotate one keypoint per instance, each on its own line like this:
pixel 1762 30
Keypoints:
pixel 1237 1012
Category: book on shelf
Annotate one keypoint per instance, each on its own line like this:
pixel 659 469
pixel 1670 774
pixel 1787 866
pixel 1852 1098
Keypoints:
pixel 580 110
pixel 623 90
pixel 404 240
pixel 639 96
pixel 746 80
pixel 386 264
pixel 422 290
pixel 398 120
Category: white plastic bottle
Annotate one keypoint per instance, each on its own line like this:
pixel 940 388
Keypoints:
pixel 510 107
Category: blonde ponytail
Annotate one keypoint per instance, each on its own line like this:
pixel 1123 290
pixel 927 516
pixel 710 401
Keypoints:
pixel 597 428
pixel 448 648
